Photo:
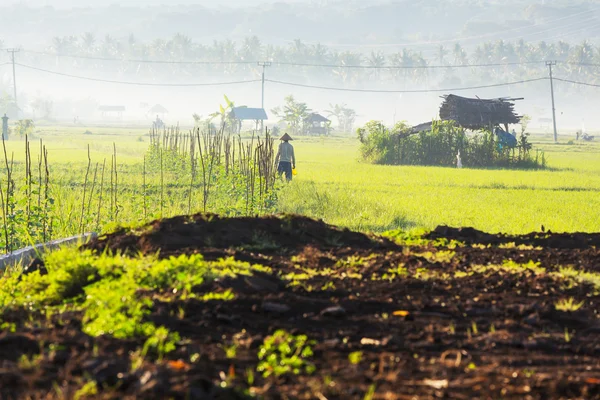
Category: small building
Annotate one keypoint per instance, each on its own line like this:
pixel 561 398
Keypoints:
pixel 258 115
pixel 112 111
pixel 157 109
pixel 249 114
pixel 316 124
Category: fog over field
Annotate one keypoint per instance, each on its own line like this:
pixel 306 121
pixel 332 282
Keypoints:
pixel 387 60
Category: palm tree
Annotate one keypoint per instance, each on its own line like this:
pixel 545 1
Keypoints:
pixel 582 54
pixel 460 56
pixel 441 56
pixel 251 49
pixel 337 112
pixel 377 61
pixel 298 51
pixel 346 60
pixel 88 40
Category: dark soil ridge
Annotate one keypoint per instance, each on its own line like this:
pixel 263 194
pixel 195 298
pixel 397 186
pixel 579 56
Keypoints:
pixel 270 234
pixel 467 235
pixel 460 335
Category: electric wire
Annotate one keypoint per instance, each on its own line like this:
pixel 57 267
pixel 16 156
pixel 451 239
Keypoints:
pixel 142 60
pixel 137 83
pixel 297 64
pixel 575 82
pixel 406 90
pixel 410 66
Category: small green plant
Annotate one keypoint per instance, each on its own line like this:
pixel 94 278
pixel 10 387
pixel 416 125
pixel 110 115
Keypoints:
pixel 29 363
pixel 89 389
pixel 250 376
pixel 161 342
pixel 355 357
pixel 567 336
pixel 452 328
pixel 283 353
pixel 370 395
pixel 230 350
pixel 568 305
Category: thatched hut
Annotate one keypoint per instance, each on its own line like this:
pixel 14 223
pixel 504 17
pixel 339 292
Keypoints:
pixel 316 124
pixel 479 113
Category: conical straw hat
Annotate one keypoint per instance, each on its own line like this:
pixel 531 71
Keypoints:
pixel 286 137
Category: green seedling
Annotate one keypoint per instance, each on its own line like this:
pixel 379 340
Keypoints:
pixel 283 353
pixel 355 357
pixel 568 305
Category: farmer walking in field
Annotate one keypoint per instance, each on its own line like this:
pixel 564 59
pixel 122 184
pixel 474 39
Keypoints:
pixel 285 158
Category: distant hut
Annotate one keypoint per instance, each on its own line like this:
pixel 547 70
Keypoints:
pixel 477 114
pixel 112 111
pixel 243 113
pixel 159 110
pixel 316 124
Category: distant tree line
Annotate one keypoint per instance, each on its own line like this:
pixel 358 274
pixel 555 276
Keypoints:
pixel 523 60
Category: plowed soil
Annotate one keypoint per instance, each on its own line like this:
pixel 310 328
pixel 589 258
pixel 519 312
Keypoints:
pixel 477 320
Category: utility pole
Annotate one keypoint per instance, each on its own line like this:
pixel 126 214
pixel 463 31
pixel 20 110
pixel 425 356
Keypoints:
pixel 550 64
pixel 13 51
pixel 263 64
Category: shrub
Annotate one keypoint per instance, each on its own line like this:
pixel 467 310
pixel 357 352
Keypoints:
pixel 439 146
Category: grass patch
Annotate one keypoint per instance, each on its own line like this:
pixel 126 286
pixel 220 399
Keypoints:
pixel 114 292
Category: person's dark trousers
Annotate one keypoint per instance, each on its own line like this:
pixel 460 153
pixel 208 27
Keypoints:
pixel 285 167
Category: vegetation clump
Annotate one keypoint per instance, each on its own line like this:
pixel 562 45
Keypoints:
pixel 114 292
pixel 400 145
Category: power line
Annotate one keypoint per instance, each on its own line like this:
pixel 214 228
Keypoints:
pixel 278 82
pixel 405 91
pixel 137 83
pixel 576 82
pixel 142 60
pixel 298 64
pixel 410 67
pixel 581 64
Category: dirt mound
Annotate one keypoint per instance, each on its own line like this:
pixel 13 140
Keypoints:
pixel 385 322
pixel 576 240
pixel 272 234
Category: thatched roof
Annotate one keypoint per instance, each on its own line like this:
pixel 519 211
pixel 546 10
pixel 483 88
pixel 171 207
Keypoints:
pixel 478 113
pixel 247 113
pixel 158 109
pixel 425 126
pixel 314 117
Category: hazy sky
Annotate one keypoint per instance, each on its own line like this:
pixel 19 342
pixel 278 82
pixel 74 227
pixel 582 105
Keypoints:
pixel 104 3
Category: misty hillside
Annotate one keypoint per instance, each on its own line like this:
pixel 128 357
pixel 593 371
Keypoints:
pixel 389 60
pixel 329 22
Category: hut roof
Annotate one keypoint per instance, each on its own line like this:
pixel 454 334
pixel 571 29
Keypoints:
pixel 478 113
pixel 425 126
pixel 247 113
pixel 314 117
pixel 158 109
